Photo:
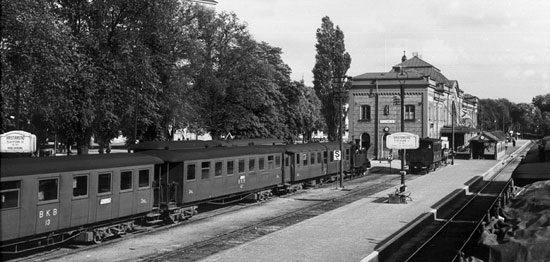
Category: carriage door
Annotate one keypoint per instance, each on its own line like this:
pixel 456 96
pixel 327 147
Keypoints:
pixel 156 183
pixel 285 166
pixel 48 205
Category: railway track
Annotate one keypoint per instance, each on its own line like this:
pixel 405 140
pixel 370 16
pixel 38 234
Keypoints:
pixel 457 224
pixel 240 236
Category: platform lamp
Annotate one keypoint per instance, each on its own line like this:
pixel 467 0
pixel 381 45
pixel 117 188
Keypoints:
pixel 340 82
pixel 453 115
pixel 402 76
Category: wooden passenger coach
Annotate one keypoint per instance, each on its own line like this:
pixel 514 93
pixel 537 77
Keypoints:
pixel 45 198
pixel 189 177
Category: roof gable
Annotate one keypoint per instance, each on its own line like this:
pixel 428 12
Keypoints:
pixel 415 62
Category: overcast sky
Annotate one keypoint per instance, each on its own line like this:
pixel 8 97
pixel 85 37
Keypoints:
pixel 495 49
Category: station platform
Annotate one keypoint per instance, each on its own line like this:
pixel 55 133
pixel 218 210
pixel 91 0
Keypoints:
pixel 352 232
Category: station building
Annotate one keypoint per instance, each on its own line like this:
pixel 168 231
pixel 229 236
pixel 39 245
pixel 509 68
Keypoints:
pixel 429 102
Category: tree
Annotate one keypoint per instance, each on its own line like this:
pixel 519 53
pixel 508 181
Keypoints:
pixel 331 64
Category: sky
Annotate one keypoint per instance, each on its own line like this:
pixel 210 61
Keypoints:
pixel 494 49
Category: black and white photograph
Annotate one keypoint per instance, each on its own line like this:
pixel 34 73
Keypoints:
pixel 295 131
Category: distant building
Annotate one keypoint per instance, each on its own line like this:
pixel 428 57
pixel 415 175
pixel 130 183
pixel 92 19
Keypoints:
pixel 375 106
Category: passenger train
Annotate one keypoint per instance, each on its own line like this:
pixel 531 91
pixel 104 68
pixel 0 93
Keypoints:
pixel 48 200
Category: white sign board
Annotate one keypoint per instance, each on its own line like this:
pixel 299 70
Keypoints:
pixel 337 155
pixel 402 140
pixel 17 142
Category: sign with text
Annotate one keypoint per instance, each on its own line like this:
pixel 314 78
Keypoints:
pixel 337 155
pixel 17 142
pixel 402 140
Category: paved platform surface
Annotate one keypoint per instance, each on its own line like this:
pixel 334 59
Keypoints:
pixel 352 232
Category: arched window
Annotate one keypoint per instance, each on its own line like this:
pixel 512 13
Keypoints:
pixel 409 112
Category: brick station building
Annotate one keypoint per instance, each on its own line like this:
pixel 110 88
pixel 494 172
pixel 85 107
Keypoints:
pixel 375 106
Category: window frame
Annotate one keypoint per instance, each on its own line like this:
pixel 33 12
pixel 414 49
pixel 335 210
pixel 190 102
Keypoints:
pixel 9 190
pixel 110 183
pixel 148 178
pixel 232 169
pixel 277 161
pixel 187 173
pixel 252 165
pixel 241 166
pixel 205 171
pixel 131 181
pixel 410 115
pixel 218 172
pixel 365 113
pixel 261 163
pixel 45 201
pixel 87 186
pixel 270 162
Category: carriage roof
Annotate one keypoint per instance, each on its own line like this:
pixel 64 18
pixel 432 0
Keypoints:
pixel 45 165
pixel 211 153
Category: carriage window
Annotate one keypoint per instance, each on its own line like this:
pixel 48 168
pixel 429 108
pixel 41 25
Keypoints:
pixel 277 161
pixel 144 178
pixel 319 159
pixel 205 170
pixel 287 160
pixel 47 189
pixel 80 185
pixel 218 169
pixel 251 165
pixel 191 172
pixel 9 192
pixel 230 167
pixel 325 157
pixel 304 157
pixel 270 164
pixel 126 180
pixel 297 159
pixel 312 158
pixel 261 163
pixel 331 156
pixel 104 183
pixel 347 154
pixel 241 165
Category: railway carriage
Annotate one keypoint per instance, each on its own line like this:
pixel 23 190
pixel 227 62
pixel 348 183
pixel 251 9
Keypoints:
pixel 315 160
pixel 49 200
pixel 46 200
pixel 428 156
pixel 190 177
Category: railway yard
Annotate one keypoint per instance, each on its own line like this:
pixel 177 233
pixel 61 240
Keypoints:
pixel 325 223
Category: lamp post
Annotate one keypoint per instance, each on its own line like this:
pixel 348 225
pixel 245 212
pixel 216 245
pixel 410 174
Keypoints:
pixel 453 133
pixel 341 81
pixel 402 76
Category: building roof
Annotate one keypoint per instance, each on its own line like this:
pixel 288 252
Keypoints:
pixel 411 74
pixel 425 69
pixel 490 136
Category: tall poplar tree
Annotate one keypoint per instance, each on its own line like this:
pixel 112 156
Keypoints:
pixel 331 63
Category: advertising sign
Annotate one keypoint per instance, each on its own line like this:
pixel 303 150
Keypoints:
pixel 402 140
pixel 17 142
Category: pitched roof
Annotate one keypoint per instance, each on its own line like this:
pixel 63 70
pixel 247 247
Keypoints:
pixel 425 69
pixel 387 75
pixel 416 62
